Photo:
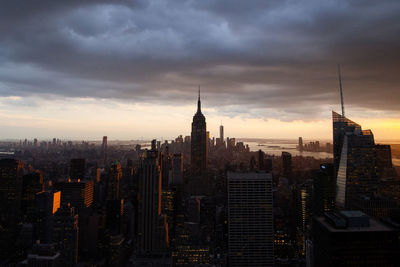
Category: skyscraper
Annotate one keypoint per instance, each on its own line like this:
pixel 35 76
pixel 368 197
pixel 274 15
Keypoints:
pixel 221 133
pixel 199 142
pixel 11 172
pixel 177 169
pixel 152 238
pixel 250 219
pixel 357 167
pixel 78 193
pixel 32 183
pixel 104 149
pixel 114 181
pixel 65 234
pixel 341 125
pixel 301 143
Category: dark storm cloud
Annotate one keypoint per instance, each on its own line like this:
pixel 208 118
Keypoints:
pixel 279 56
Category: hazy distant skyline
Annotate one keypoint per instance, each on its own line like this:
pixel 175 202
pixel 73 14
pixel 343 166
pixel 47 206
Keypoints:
pixel 127 69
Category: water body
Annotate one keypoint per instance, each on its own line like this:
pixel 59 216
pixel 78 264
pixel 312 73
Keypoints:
pixel 276 147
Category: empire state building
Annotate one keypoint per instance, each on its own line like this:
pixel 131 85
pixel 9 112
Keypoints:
pixel 199 142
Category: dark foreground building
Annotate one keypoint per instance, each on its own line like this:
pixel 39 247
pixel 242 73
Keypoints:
pixel 351 238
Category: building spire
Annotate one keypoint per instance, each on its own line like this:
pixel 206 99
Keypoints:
pixel 341 89
pixel 199 102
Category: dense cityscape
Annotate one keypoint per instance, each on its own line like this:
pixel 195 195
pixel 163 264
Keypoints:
pixel 212 133
pixel 199 201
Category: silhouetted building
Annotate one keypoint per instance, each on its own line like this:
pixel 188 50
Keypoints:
pixel 324 192
pixel 32 183
pixel 301 144
pixel 11 172
pixel 177 169
pixel 152 232
pixel 65 234
pixel 199 142
pixel 287 165
pixel 351 238
pixel 104 150
pixel 79 193
pixel 77 169
pixel 114 181
pixel 46 204
pixel 261 155
pixel 250 219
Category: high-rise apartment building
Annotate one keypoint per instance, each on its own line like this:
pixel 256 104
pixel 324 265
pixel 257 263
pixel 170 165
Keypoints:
pixel 250 219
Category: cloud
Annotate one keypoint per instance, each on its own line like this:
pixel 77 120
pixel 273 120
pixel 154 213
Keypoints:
pixel 267 59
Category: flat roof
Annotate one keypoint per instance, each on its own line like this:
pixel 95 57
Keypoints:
pixel 375 226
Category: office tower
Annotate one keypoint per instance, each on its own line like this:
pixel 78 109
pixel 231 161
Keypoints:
pixel 301 143
pixel 351 238
pixel 221 133
pixel 357 172
pixel 341 125
pixel 287 165
pixel 11 172
pixel 32 183
pixel 78 193
pixel 250 219
pixel 114 181
pixel 46 204
pixel 199 142
pixel 324 192
pixel 77 169
pixel 65 234
pixel 152 238
pixel 177 169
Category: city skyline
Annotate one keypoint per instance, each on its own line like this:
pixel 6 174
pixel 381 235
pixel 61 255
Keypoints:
pixel 121 129
pixel 265 68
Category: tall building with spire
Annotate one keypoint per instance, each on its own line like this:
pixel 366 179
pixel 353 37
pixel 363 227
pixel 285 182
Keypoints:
pixel 199 142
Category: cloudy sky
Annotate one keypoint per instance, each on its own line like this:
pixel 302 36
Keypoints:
pixel 130 69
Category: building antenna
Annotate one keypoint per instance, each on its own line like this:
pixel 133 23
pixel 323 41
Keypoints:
pixel 341 89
